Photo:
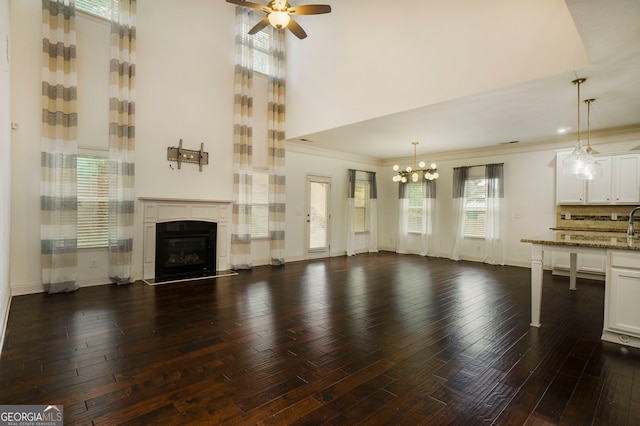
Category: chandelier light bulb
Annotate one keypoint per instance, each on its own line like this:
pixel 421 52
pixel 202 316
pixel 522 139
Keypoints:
pixel 403 179
pixel 436 175
pixel 396 167
pixel 433 165
pixel 414 177
pixel 421 164
pixel 409 169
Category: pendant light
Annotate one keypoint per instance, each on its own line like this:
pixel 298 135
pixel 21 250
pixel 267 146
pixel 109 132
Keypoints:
pixel 581 162
pixel 414 173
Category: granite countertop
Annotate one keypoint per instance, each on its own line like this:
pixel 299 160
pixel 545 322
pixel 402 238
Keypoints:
pixel 604 239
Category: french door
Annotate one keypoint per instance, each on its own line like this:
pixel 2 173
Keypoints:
pixel 318 217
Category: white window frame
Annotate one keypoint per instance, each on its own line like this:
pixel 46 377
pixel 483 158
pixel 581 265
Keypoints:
pixel 476 203
pixel 262 205
pixel 97 234
pixel 365 208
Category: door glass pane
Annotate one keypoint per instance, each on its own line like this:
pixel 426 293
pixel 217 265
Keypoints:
pixel 318 215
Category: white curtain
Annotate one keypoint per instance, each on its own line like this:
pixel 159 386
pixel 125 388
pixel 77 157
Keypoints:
pixel 460 175
pixel 373 213
pixel 122 139
pixel 242 143
pixel 403 218
pixel 495 237
pixel 428 235
pixel 59 148
pixel 351 235
pixel 276 140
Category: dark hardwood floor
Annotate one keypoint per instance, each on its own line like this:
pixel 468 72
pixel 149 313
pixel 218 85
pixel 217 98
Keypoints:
pixel 374 339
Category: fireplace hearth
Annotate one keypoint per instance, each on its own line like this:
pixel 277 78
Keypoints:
pixel 185 249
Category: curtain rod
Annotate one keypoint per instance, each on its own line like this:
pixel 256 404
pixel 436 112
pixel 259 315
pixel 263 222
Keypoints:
pixel 363 171
pixel 479 165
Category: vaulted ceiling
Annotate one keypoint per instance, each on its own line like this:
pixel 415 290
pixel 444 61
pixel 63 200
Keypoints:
pixel 374 76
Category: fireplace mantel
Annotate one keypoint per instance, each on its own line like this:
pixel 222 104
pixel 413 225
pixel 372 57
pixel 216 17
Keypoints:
pixel 157 210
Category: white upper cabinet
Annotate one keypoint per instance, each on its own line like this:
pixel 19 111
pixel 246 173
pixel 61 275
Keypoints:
pixel 619 183
pixel 627 179
pixel 569 189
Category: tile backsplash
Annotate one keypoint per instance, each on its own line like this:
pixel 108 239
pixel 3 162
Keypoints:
pixel 596 218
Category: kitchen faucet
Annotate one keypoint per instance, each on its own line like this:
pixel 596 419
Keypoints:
pixel 630 227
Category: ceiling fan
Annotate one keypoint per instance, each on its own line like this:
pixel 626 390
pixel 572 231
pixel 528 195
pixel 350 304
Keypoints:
pixel 279 14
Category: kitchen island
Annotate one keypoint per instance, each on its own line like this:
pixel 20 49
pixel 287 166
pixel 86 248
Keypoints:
pixel 622 279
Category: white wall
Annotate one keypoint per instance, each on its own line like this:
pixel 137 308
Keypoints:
pixel 5 167
pixel 399 59
pixel 529 174
pixel 184 91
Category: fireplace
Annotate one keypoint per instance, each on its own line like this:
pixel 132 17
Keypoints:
pixel 185 249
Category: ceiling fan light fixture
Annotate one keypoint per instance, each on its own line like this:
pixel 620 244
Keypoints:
pixel 279 19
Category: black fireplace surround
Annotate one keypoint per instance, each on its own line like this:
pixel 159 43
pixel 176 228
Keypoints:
pixel 185 249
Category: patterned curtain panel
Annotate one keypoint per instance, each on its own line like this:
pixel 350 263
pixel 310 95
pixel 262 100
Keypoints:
pixel 242 143
pixel 59 147
pixel 122 139
pixel 351 193
pixel 276 126
pixel 495 240
pixel 373 213
pixel 460 176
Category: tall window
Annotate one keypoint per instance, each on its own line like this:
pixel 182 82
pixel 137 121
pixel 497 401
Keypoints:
pixel 260 204
pixel 92 176
pixel 476 208
pixel 415 207
pixel 361 204
pixel 101 8
pixel 261 46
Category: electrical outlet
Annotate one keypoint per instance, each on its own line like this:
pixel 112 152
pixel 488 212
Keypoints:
pixel 94 263
pixel 614 216
pixel 567 216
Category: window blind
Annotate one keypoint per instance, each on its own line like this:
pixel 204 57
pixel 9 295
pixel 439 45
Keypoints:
pixel 101 8
pixel 92 176
pixel 475 222
pixel 415 207
pixel 261 46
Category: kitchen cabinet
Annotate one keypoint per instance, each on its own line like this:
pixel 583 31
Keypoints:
pixel 621 254
pixel 622 293
pixel 569 189
pixel 619 183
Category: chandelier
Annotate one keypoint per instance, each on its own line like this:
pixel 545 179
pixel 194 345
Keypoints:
pixel 581 162
pixel 414 173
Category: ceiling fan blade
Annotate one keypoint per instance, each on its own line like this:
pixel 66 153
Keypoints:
pixel 259 26
pixel 296 29
pixel 309 9
pixel 250 4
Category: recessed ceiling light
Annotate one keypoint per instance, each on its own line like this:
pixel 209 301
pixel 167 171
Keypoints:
pixel 563 130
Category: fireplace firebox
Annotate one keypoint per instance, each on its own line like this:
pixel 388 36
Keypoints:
pixel 185 249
